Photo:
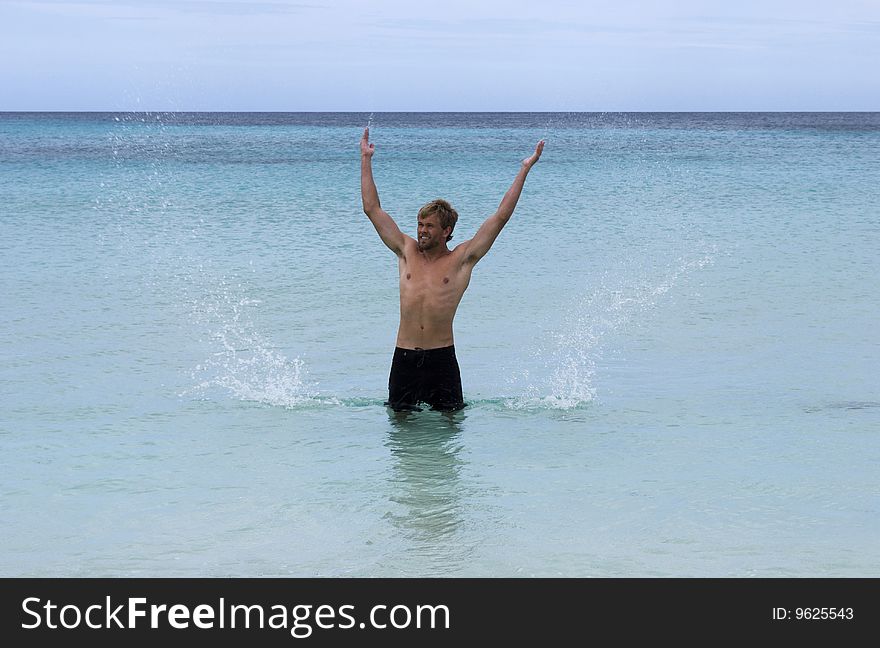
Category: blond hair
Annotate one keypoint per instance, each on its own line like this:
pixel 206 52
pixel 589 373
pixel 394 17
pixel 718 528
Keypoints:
pixel 447 216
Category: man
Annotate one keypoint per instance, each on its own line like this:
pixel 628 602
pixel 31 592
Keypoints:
pixel 433 279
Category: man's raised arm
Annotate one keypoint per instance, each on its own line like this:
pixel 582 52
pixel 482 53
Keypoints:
pixel 387 229
pixel 489 231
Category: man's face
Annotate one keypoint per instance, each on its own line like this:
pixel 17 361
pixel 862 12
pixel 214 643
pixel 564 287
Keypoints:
pixel 430 234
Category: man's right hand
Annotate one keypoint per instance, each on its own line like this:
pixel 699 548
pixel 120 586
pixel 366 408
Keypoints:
pixel 366 148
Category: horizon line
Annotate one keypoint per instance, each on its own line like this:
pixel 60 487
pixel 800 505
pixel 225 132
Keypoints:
pixel 434 112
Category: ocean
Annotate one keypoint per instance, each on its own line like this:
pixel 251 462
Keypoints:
pixel 670 355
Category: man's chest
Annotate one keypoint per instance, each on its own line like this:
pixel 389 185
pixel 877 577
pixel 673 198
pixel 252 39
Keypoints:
pixel 440 278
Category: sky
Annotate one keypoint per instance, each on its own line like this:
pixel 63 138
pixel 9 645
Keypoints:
pixel 450 55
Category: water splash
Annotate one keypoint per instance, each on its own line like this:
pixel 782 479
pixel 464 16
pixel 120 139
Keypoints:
pixel 214 308
pixel 568 362
pixel 244 363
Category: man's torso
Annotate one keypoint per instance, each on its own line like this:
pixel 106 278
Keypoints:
pixel 430 291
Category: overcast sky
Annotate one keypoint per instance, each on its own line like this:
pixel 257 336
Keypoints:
pixel 467 55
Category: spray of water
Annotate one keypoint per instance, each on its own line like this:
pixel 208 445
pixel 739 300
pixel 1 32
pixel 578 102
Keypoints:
pixel 568 361
pixel 215 309
pixel 243 363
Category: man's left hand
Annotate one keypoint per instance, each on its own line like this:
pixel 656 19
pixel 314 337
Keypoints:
pixel 530 161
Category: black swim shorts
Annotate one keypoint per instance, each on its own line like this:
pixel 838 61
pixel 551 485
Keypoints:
pixel 428 376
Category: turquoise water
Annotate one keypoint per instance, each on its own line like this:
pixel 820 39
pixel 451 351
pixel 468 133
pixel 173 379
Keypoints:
pixel 671 353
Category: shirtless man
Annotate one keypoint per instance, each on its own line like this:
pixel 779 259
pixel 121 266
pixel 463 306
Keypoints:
pixel 433 279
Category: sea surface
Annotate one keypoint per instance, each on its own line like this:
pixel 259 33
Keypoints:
pixel 671 354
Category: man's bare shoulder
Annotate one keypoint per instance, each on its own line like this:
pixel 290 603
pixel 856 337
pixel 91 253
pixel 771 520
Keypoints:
pixel 410 246
pixel 462 251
